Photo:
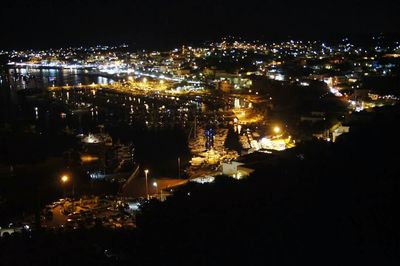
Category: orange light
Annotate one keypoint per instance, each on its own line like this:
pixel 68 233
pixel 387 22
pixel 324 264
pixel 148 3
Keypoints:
pixel 64 178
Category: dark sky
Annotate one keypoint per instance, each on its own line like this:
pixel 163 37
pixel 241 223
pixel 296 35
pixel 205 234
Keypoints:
pixel 150 23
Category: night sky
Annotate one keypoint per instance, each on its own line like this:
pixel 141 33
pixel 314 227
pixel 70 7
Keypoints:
pixel 158 24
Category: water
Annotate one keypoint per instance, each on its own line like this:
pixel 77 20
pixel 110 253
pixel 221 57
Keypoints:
pixel 157 125
pixel 45 77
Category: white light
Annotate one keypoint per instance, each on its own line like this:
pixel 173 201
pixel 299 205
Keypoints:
pixel 203 180
pixel 264 142
pixel 305 84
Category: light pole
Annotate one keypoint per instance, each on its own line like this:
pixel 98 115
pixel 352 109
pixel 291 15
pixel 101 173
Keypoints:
pixel 64 180
pixel 179 167
pixel 156 186
pixel 147 189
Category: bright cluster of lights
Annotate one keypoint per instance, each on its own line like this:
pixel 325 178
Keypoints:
pixel 203 180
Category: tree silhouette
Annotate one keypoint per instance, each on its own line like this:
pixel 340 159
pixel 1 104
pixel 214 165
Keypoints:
pixel 232 141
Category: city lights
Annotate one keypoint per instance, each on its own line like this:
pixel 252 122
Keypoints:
pixel 233 104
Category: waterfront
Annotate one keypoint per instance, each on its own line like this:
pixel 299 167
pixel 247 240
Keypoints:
pixel 159 126
pixel 199 133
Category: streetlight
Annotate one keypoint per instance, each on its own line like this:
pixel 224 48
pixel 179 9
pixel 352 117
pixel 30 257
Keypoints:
pixel 147 189
pixel 64 179
pixel 277 130
pixel 156 186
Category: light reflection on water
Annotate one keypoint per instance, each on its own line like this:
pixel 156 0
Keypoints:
pixel 23 78
pixel 83 110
